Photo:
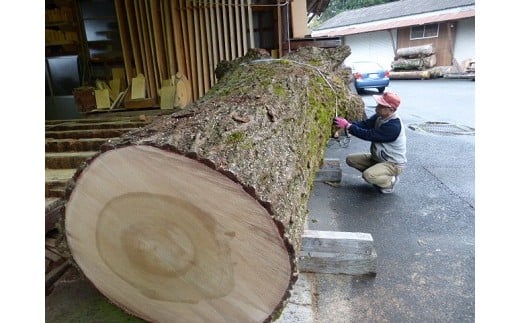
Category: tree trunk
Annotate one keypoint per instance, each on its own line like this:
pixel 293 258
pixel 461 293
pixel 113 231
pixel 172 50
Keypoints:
pixel 198 216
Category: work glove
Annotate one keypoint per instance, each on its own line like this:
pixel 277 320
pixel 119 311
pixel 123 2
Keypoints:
pixel 341 122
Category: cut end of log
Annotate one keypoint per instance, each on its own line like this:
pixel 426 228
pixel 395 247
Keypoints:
pixel 164 236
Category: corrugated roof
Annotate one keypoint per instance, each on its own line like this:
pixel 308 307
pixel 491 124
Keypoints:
pixel 391 10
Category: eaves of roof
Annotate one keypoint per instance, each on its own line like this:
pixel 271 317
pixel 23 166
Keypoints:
pixel 414 20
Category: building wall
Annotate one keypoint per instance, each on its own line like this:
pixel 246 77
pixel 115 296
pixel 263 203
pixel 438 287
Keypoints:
pixel 373 46
pixel 441 44
pixel 464 48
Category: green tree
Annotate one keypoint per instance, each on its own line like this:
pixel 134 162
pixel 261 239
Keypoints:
pixel 336 7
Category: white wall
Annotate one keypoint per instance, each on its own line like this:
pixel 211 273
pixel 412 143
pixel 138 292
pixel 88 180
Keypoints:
pixel 464 47
pixel 373 46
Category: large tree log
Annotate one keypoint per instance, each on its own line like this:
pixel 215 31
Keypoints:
pixel 198 217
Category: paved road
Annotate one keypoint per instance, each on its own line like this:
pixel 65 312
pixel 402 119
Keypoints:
pixel 423 233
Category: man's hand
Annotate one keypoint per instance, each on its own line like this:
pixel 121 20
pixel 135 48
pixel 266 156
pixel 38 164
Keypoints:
pixel 341 122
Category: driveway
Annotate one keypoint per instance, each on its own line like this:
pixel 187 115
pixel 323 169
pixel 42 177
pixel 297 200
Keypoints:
pixel 424 232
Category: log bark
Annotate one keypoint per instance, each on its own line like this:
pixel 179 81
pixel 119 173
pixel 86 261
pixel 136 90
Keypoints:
pixel 416 51
pixel 199 215
pixel 414 63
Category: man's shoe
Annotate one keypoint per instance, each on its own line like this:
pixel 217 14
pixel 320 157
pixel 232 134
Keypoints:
pixel 390 189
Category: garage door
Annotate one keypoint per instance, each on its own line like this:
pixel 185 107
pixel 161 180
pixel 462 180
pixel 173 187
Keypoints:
pixel 373 46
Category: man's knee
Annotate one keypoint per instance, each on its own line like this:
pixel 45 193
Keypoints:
pixel 349 162
pixel 368 176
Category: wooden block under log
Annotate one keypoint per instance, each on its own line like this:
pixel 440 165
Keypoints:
pixel 329 172
pixel 333 252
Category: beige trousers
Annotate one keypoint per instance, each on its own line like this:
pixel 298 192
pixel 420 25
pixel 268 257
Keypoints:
pixel 374 172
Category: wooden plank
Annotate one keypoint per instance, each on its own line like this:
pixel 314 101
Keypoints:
pixel 152 80
pixel 330 252
pixel 140 22
pixel 330 171
pixel 198 53
pixel 115 88
pixel 220 36
pixel 134 37
pixel 251 26
pixel 214 47
pixel 167 25
pixel 225 24
pixel 179 40
pixel 238 29
pixel 206 57
pixel 167 97
pixel 351 243
pixel 102 99
pixel 185 39
pixel 182 91
pixel 279 19
pixel 126 43
pixel 244 26
pixel 164 14
pixel 232 36
pixel 193 53
pixel 299 19
pixel 138 87
pixel 314 42
pixel 119 73
pixel 158 40
pixel 119 99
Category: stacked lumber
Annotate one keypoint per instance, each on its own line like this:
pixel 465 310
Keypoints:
pixel 171 40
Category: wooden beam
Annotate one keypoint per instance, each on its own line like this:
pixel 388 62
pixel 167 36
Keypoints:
pixel 158 40
pixel 220 36
pixel 134 39
pixel 126 44
pixel 213 8
pixel 193 52
pixel 330 171
pixel 333 252
pixel 244 26
pixel 225 24
pixel 232 35
pixel 238 29
pixel 279 27
pixel 152 79
pixel 198 53
pixel 251 26
pixel 181 43
pixel 204 36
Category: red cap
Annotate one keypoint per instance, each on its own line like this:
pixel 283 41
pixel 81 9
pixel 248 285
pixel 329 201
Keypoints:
pixel 388 99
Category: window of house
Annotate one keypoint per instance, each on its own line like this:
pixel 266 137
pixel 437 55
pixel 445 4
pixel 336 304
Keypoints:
pixel 424 31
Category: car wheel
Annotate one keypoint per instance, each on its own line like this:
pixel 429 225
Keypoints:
pixel 381 89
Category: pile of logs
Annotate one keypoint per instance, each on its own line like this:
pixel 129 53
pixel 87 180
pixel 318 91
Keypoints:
pixel 413 62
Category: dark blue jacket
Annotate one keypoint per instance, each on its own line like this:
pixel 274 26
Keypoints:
pixel 387 136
